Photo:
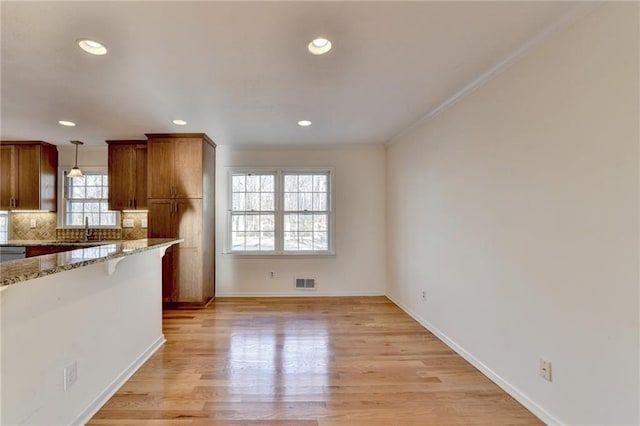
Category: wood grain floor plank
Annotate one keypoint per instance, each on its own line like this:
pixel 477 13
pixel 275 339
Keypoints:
pixel 306 362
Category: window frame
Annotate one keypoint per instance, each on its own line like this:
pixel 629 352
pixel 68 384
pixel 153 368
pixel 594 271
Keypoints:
pixel 62 204
pixel 279 173
pixel 7 214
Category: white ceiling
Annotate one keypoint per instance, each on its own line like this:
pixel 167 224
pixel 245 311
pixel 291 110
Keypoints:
pixel 240 71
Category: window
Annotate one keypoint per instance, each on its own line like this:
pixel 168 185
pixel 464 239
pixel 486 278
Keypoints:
pixel 4 226
pixel 87 197
pixel 253 212
pixel 280 212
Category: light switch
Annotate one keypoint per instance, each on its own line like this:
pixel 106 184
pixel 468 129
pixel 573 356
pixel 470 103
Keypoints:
pixel 144 223
pixel 127 223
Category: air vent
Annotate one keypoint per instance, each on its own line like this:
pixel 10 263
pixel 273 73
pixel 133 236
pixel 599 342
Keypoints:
pixel 305 283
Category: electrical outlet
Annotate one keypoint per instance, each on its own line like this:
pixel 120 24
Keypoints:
pixel 33 223
pixel 127 223
pixel 70 375
pixel 545 370
pixel 424 295
pixel 144 223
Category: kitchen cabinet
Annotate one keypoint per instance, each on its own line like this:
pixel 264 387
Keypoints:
pixel 180 182
pixel 28 175
pixel 177 166
pixel 127 174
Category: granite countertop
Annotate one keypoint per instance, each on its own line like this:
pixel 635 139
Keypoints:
pixel 15 271
pixel 27 243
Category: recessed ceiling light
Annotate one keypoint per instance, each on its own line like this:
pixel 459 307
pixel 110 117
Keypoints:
pixel 304 123
pixel 179 122
pixel 319 46
pixel 67 123
pixel 93 47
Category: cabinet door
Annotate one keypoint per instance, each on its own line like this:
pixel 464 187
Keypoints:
pixel 188 168
pixel 161 219
pixel 189 223
pixel 160 168
pixel 140 196
pixel 122 177
pixel 7 175
pixel 28 183
pixel 170 271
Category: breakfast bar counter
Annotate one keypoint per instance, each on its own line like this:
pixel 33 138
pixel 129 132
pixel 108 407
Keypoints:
pixel 74 326
pixel 20 270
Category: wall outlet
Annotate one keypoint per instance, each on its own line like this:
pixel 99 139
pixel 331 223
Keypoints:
pixel 424 295
pixel 33 223
pixel 272 274
pixel 545 370
pixel 144 223
pixel 127 223
pixel 70 375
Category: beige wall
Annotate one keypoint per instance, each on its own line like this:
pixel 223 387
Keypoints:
pixel 516 210
pixel 358 268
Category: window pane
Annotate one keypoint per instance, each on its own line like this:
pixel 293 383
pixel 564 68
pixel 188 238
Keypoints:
pixel 237 240
pixel 267 183
pixel 306 201
pixel 237 223
pixel 93 180
pixel 94 192
pixel 305 241
pixel 78 192
pixel 291 241
pixel 267 202
pixel 238 183
pixel 290 222
pixel 252 222
pixel 252 241
pixel 320 222
pixel 319 183
pixel 267 222
pixel 253 201
pixel 320 241
pixel 291 183
pixel 306 222
pixel 253 183
pixel 305 183
pixel 267 241
pixel 238 202
pixel 290 202
pixel 75 219
pixel 319 201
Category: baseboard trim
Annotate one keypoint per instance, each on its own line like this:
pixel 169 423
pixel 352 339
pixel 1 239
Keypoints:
pixel 519 396
pixel 112 388
pixel 301 293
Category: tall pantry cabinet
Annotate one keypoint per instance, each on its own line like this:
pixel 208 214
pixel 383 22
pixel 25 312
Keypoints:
pixel 181 191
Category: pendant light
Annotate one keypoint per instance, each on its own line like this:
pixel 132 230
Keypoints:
pixel 75 171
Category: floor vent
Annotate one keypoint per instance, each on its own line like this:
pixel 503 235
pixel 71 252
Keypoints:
pixel 305 283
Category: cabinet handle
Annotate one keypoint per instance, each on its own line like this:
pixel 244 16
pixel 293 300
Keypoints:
pixel 135 203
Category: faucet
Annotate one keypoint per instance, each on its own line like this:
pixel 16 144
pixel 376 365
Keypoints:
pixel 87 232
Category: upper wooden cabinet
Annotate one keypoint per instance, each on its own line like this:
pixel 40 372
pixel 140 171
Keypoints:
pixel 28 175
pixel 175 165
pixel 127 174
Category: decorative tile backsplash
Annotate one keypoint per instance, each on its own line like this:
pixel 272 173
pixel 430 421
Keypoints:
pixel 46 228
pixel 97 234
pixel 137 231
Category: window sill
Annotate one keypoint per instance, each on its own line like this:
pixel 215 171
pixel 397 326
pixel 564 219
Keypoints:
pixel 324 255
pixel 90 227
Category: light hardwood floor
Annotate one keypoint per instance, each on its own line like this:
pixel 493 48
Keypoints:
pixel 306 361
